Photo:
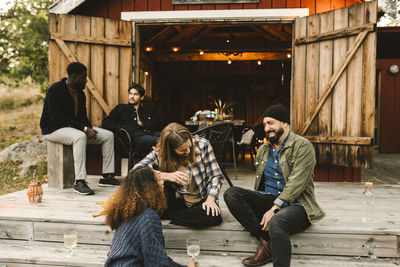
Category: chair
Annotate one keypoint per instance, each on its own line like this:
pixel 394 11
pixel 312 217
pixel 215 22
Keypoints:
pixel 125 147
pixel 220 136
pixel 247 143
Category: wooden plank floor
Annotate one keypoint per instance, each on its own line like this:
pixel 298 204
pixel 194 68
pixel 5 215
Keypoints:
pixel 40 254
pixel 341 233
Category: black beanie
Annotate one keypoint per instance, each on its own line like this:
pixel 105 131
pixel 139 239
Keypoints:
pixel 277 112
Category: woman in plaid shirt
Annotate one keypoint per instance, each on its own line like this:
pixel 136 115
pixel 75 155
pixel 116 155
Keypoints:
pixel 177 157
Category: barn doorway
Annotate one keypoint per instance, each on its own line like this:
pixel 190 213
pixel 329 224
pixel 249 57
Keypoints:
pixel 185 66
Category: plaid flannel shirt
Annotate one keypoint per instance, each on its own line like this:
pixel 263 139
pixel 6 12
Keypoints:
pixel 205 170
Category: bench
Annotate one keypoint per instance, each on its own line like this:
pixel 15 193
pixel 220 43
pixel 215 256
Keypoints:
pixel 60 164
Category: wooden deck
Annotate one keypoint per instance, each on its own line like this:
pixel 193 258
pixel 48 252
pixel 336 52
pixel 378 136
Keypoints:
pixel 31 234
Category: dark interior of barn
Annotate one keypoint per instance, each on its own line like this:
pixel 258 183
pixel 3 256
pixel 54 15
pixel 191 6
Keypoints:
pixel 185 67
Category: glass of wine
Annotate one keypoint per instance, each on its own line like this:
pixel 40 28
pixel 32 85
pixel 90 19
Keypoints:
pixel 193 248
pixel 183 188
pixel 70 241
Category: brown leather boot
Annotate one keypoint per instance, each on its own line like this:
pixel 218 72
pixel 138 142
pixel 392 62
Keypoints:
pixel 262 256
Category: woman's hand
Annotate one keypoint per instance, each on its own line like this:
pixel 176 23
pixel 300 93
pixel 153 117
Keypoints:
pixel 192 264
pixel 178 177
pixel 211 207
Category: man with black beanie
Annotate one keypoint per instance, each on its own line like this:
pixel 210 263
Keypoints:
pixel 283 202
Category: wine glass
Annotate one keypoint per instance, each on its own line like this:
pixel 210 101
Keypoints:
pixel 70 241
pixel 193 248
pixel 183 188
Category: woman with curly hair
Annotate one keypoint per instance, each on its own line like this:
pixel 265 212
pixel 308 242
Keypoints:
pixel 134 212
pixel 177 154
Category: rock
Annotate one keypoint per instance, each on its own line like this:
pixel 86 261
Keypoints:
pixel 29 153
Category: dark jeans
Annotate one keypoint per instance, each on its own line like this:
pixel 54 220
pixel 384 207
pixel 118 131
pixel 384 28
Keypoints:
pixel 146 142
pixel 248 207
pixel 180 214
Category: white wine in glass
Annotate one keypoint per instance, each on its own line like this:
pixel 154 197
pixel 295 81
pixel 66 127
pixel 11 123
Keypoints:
pixel 183 189
pixel 193 248
pixel 70 241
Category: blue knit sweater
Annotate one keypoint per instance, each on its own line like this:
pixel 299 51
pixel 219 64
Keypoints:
pixel 139 241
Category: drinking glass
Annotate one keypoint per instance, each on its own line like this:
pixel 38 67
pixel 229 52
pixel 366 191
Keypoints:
pixel 70 241
pixel 193 248
pixel 183 188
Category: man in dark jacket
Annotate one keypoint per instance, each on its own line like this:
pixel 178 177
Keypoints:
pixel 140 123
pixel 64 121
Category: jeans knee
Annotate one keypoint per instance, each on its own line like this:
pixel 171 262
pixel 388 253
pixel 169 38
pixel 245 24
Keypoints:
pixel 108 135
pixel 81 138
pixel 229 194
pixel 277 225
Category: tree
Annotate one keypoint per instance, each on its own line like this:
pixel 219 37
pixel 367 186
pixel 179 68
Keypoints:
pixel 391 9
pixel 24 41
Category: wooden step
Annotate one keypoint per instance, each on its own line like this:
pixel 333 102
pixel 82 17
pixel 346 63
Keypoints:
pixel 341 233
pixel 16 253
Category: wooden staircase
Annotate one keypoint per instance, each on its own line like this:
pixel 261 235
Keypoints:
pixel 31 234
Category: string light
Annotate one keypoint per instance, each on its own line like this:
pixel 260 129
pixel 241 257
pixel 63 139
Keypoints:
pixel 259 62
pixel 148 48
pixel 201 52
pixel 229 61
pixel 175 49
pixel 289 55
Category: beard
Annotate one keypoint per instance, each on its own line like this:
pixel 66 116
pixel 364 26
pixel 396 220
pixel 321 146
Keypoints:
pixel 275 139
pixel 79 86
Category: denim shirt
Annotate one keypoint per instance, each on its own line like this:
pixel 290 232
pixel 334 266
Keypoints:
pixel 274 180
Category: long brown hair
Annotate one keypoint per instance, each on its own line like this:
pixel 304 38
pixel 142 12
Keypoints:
pixel 138 191
pixel 172 136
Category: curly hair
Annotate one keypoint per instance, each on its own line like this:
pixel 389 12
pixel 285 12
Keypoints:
pixel 138 191
pixel 172 136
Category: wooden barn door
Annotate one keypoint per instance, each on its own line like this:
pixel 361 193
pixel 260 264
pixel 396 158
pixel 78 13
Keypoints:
pixel 105 47
pixel 389 119
pixel 333 83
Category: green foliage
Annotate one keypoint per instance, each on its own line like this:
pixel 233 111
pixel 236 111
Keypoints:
pixel 24 41
pixel 11 181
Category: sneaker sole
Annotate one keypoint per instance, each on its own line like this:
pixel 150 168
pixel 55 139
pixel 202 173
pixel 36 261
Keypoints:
pixel 80 193
pixel 107 185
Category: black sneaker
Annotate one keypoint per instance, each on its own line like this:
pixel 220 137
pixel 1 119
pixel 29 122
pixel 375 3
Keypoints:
pixel 81 187
pixel 109 181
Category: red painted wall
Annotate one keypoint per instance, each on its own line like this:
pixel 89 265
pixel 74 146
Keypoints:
pixel 113 8
pixel 390 106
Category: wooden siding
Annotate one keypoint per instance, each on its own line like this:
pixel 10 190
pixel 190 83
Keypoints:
pixel 390 107
pixel 112 9
pixel 109 62
pixel 322 65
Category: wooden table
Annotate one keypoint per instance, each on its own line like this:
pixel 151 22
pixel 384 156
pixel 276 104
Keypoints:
pixel 197 123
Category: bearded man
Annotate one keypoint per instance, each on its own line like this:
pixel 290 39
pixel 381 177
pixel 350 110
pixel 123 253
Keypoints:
pixel 283 202
pixel 64 121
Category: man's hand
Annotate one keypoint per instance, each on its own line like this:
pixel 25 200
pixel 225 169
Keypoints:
pixel 267 217
pixel 178 177
pixel 192 264
pixel 91 133
pixel 211 207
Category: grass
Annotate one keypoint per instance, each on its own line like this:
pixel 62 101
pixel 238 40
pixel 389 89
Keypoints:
pixel 10 181
pixel 20 110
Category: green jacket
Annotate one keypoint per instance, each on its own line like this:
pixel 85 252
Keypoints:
pixel 297 161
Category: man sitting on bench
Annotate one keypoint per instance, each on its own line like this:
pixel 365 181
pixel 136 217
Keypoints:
pixel 64 121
